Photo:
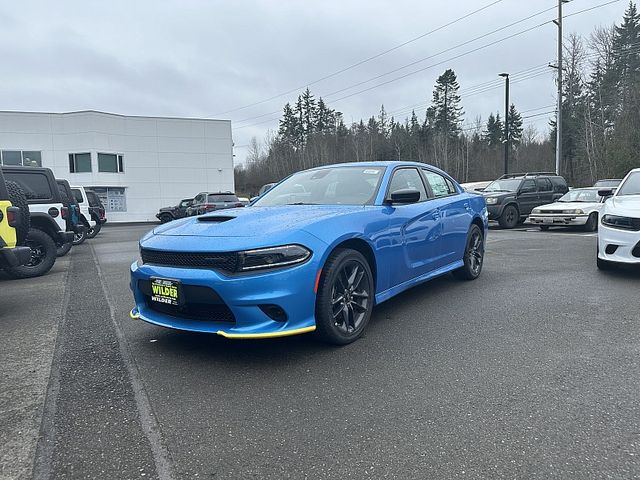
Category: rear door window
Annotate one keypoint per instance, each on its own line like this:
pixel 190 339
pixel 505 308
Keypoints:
pixel 78 194
pixel 544 185
pixel 440 186
pixel 34 184
pixel 216 198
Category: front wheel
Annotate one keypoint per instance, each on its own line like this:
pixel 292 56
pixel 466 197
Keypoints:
pixel 43 256
pixel 345 297
pixel 509 217
pixel 473 255
pixel 165 217
pixel 93 231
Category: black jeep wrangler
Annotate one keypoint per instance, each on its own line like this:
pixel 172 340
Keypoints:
pixel 46 218
pixel 166 214
pixel 511 197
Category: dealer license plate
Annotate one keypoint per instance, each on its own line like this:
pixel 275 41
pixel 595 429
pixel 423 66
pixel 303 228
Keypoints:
pixel 547 220
pixel 164 290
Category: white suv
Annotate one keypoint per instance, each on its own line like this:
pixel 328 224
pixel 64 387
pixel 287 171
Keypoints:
pixel 619 232
pixel 83 201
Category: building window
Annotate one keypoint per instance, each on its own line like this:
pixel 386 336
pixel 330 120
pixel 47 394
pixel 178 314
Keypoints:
pixel 27 158
pixel 110 163
pixel 114 199
pixel 79 162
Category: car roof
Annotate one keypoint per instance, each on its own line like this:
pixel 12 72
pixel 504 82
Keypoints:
pixel 384 164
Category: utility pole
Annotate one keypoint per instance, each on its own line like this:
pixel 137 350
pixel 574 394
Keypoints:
pixel 559 112
pixel 506 121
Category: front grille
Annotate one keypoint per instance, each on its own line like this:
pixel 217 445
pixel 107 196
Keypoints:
pixel 227 262
pixel 200 303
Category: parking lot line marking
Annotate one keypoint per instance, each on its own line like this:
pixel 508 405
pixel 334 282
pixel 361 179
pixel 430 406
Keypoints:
pixel 150 425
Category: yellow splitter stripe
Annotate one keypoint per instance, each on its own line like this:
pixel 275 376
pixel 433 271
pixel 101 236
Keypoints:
pixel 284 333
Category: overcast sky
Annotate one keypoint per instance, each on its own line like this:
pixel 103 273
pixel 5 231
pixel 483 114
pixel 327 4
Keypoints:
pixel 198 58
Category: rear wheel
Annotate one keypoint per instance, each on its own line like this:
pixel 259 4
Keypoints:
pixel 93 231
pixel 544 228
pixel 345 297
pixel 78 238
pixel 473 255
pixel 62 250
pixel 18 199
pixel 509 217
pixel 43 256
pixel 592 223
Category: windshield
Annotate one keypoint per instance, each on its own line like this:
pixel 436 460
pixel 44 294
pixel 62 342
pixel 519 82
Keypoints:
pixel 631 185
pixel 504 185
pixel 326 186
pixel 581 195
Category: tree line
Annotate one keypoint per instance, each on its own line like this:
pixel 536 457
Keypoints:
pixel 600 115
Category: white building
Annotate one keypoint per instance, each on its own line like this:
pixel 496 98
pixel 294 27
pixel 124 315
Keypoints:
pixel 136 164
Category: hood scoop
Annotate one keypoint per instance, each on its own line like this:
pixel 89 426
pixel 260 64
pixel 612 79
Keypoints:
pixel 215 219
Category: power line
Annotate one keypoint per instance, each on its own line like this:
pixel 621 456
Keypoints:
pixel 432 65
pixel 361 62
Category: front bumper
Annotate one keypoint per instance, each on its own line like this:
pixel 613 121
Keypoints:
pixel 558 219
pixel 291 289
pixel 626 242
pixel 14 257
pixel 494 211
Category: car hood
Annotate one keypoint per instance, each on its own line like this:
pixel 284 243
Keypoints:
pixel 253 221
pixel 569 206
pixel 496 194
pixel 624 205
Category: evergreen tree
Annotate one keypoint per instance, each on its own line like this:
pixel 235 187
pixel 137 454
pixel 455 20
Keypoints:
pixel 495 131
pixel 515 126
pixel 625 44
pixel 287 130
pixel 445 113
pixel 309 113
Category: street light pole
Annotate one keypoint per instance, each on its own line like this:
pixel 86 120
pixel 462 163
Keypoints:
pixel 559 112
pixel 506 121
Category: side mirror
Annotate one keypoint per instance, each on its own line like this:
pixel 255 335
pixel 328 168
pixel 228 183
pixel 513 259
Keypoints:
pixel 605 192
pixel 404 196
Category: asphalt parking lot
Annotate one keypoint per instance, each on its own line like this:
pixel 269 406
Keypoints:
pixel 532 371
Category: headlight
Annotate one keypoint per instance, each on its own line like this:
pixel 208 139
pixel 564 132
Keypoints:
pixel 492 200
pixel 574 212
pixel 272 257
pixel 535 210
pixel 624 223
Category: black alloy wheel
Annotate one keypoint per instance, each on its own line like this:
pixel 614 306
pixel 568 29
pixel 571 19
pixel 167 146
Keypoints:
pixel 473 255
pixel 345 297
pixel 93 231
pixel 509 217
pixel 43 256
pixel 165 217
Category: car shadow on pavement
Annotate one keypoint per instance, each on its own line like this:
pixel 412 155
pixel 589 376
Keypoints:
pixel 285 350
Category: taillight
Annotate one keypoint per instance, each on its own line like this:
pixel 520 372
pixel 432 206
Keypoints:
pixel 13 216
pixel 209 207
pixel 65 212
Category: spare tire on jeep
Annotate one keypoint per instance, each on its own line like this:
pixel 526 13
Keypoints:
pixel 19 199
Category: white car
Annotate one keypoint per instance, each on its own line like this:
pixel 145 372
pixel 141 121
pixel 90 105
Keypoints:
pixel 577 207
pixel 619 234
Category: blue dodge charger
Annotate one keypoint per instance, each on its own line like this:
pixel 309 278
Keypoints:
pixel 315 253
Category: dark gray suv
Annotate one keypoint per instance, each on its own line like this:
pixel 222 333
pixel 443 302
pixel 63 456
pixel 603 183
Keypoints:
pixel 209 201
pixel 511 197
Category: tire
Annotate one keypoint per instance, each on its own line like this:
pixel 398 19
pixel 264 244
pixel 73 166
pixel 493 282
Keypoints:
pixel 79 238
pixel 346 277
pixel 592 223
pixel 544 228
pixel 509 217
pixel 18 199
pixel 93 231
pixel 62 250
pixel 165 217
pixel 473 255
pixel 43 256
